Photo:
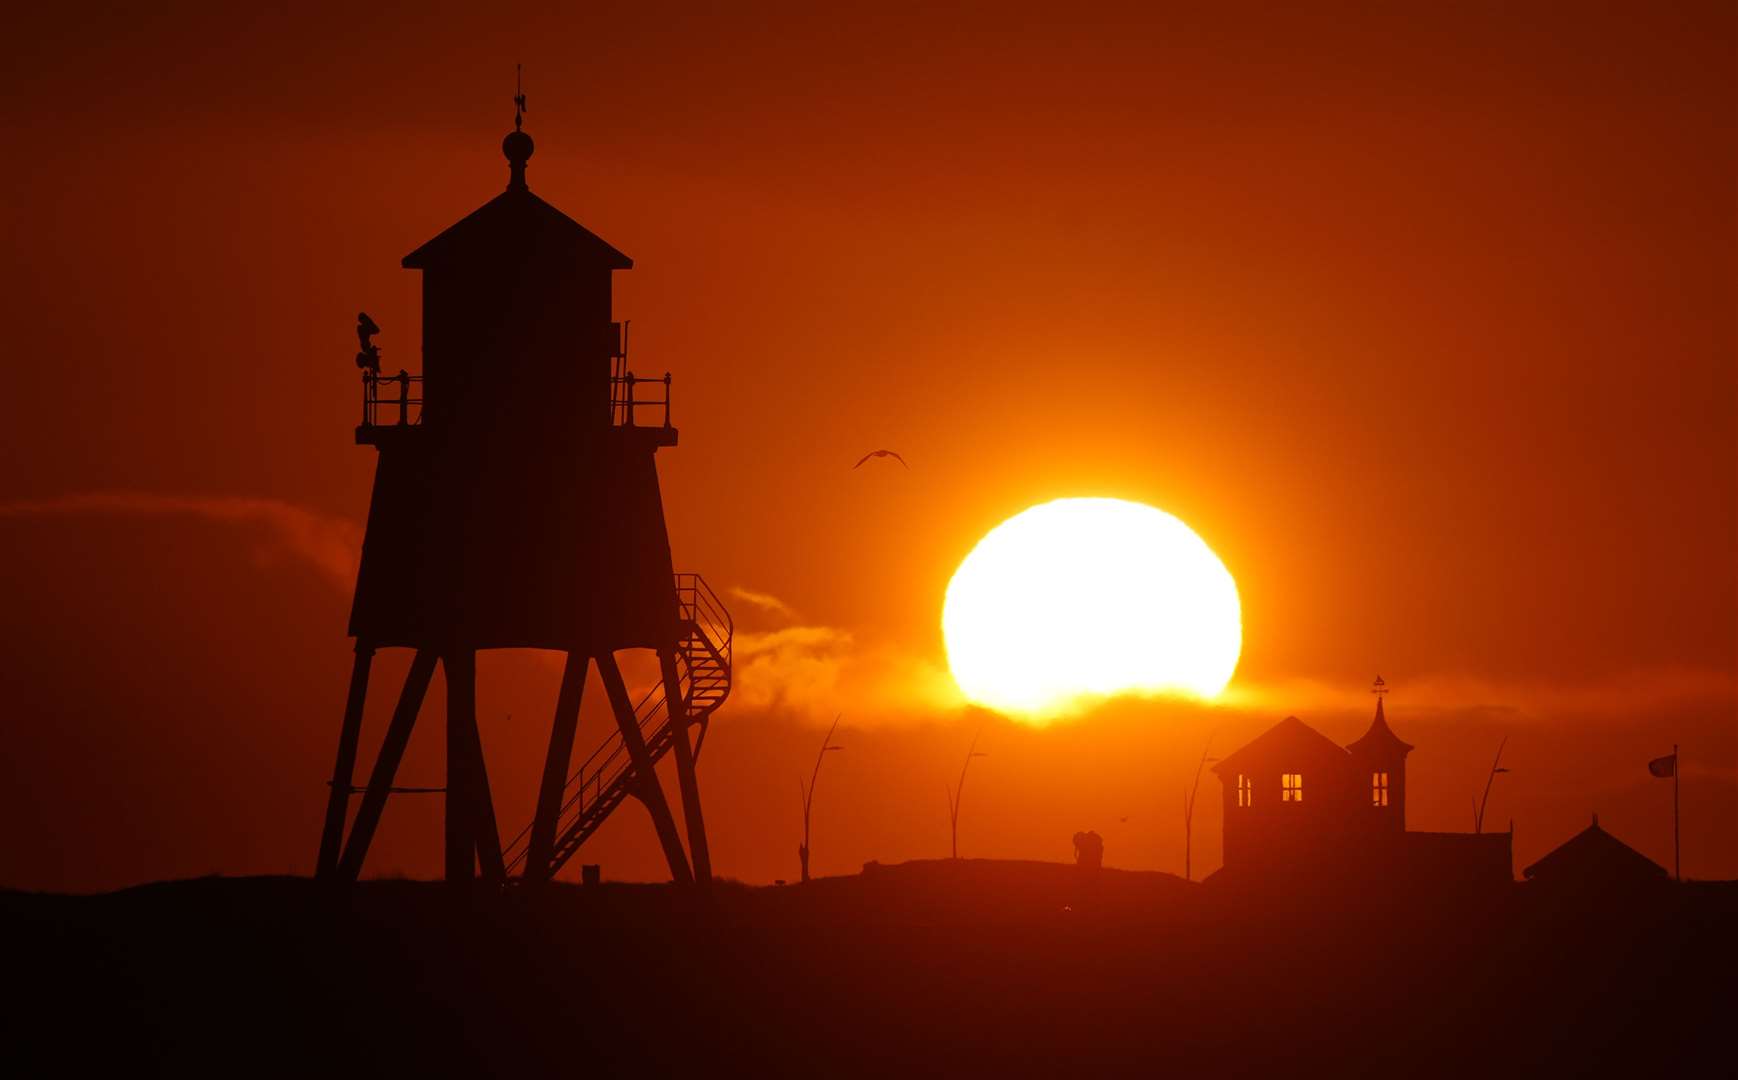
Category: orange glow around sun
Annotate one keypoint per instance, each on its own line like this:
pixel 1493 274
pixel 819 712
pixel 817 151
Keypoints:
pixel 1082 598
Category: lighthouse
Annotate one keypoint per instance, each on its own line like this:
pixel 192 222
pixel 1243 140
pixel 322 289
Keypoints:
pixel 516 506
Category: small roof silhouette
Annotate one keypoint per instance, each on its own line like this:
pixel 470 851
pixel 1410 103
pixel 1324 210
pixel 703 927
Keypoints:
pixel 1380 740
pixel 516 222
pixel 1595 853
pixel 1290 732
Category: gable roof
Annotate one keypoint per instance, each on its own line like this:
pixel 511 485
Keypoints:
pixel 1593 852
pixel 1380 739
pixel 516 220
pixel 1289 734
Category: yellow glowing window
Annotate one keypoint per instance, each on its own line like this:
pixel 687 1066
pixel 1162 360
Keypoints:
pixel 1379 789
pixel 1291 787
pixel 1245 790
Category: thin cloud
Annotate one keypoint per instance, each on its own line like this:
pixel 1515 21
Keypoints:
pixel 1643 691
pixel 331 545
pixel 766 602
pixel 815 672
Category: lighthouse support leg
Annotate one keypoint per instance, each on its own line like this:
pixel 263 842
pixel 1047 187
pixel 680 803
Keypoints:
pixel 461 837
pixel 480 802
pixel 541 850
pixel 685 776
pixel 649 792
pixel 344 769
pixel 386 764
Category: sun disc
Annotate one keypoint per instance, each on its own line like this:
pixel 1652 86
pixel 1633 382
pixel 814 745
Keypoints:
pixel 1083 598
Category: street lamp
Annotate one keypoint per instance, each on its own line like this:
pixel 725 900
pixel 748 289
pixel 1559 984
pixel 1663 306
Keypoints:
pixel 1189 811
pixel 1478 819
pixel 808 793
pixel 953 796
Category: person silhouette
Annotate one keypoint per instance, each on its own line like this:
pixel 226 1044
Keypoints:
pixel 368 358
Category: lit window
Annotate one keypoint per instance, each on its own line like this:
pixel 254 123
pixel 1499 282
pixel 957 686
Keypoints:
pixel 1245 791
pixel 1379 789
pixel 1291 787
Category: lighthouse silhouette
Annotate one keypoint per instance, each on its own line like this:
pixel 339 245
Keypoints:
pixel 516 506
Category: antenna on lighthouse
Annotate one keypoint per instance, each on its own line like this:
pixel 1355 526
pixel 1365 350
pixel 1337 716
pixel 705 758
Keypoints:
pixel 519 109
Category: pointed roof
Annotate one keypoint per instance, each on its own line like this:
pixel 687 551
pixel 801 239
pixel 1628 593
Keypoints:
pixel 1290 733
pixel 1591 853
pixel 1380 740
pixel 516 221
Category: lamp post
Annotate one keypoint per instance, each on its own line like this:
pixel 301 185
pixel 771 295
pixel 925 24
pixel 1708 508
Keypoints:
pixel 1189 811
pixel 1478 819
pixel 808 793
pixel 953 797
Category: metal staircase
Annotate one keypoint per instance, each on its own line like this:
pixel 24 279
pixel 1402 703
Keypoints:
pixel 607 777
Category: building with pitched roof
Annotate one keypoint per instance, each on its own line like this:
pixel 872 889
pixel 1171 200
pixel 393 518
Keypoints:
pixel 1297 803
pixel 1593 860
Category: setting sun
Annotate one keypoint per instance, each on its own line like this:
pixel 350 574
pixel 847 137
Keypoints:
pixel 1090 597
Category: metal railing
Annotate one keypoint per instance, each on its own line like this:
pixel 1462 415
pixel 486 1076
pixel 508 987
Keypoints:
pixel 603 772
pixel 396 395
pixel 696 603
pixel 396 400
pixel 626 399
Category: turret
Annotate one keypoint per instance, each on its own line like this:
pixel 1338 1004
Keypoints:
pixel 1380 759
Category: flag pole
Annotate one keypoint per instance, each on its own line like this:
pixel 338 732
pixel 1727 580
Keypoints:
pixel 1677 852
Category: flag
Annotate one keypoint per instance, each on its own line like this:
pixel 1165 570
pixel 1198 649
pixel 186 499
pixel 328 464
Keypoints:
pixel 1664 766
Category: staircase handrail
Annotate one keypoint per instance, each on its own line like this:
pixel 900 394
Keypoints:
pixel 646 711
pixel 609 764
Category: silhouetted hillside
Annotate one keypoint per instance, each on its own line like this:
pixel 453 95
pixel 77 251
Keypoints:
pixel 970 968
pixel 982 891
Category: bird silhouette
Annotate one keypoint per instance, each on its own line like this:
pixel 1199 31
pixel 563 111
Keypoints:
pixel 879 453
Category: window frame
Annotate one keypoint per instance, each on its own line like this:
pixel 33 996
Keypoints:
pixel 1379 788
pixel 1291 787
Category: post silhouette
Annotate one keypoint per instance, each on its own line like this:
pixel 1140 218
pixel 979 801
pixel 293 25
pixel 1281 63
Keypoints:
pixel 955 794
pixel 808 793
pixel 1189 811
pixel 1478 824
pixel 549 793
pixel 1663 767
pixel 344 769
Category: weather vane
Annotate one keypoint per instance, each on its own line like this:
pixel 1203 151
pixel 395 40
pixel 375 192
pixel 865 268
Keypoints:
pixel 1378 687
pixel 519 109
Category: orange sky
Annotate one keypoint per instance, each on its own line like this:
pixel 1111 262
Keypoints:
pixel 1423 320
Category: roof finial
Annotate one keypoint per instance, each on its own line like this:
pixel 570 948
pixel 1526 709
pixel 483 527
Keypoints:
pixel 1378 687
pixel 519 109
pixel 517 146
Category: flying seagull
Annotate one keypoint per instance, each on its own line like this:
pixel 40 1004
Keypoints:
pixel 879 453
